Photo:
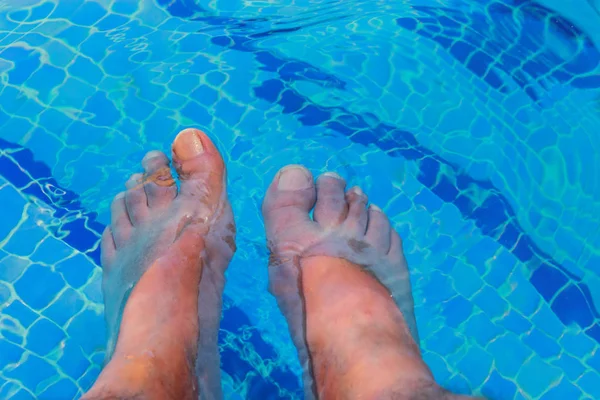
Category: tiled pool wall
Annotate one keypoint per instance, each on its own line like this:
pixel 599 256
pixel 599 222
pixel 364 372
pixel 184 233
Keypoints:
pixel 452 126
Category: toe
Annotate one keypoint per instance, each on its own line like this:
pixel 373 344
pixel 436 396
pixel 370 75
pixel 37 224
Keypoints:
pixel 135 199
pixel 356 221
pixel 331 207
pixel 107 247
pixel 395 253
pixel 200 167
pixel 289 199
pixel 158 181
pixel 378 229
pixel 120 224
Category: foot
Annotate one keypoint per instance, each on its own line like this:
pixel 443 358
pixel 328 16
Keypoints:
pixel 164 257
pixel 342 282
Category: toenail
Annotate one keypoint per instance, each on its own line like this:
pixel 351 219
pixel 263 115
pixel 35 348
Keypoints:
pixel 188 144
pixel 375 208
pixel 333 175
pixel 358 191
pixel 151 155
pixel 294 177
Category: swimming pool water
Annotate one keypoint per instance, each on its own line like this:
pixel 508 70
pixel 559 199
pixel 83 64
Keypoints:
pixel 475 125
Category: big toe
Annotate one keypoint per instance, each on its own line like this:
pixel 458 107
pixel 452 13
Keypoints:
pixel 200 167
pixel 288 201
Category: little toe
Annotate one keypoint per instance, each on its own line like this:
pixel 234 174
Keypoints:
pixel 357 218
pixel 135 199
pixel 378 229
pixel 396 253
pixel 200 167
pixel 331 207
pixel 289 199
pixel 120 224
pixel 158 181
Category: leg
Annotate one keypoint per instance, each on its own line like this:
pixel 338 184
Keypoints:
pixel 342 282
pixel 164 258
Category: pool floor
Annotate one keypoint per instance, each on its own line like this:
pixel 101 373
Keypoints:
pixel 473 125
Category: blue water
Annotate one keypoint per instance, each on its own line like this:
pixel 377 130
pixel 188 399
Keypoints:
pixel 474 124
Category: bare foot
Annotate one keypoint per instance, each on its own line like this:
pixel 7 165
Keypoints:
pixel 164 257
pixel 342 282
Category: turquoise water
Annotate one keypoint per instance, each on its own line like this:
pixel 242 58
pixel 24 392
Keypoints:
pixel 473 124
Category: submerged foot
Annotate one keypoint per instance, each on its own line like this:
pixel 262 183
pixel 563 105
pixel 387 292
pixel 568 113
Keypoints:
pixel 164 257
pixel 342 282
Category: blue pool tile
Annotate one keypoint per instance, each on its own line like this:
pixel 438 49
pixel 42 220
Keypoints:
pixel 45 79
pixel 25 159
pixel 498 387
pixel 500 267
pixel 104 111
pixel 22 395
pixel 457 310
pixel 564 390
pixel 509 354
pixel 459 385
pixel 548 280
pixel 577 344
pixel 88 321
pixel 79 236
pixel 541 343
pixel 41 11
pixel 572 367
pixel 22 313
pixel 480 327
pixel 7 389
pixel 11 332
pixel 137 108
pixel 445 341
pixel 76 270
pixel 490 302
pixel 427 199
pixel 438 366
pixel 73 93
pixel 438 287
pixel 32 371
pixel 73 35
pixel 44 336
pixel 63 389
pixel 594 360
pixel 5 293
pixel 514 322
pixel 589 384
pixel 84 69
pixel 196 113
pixel 594 332
pixel 69 303
pixel 26 62
pixel 536 376
pixel 51 250
pixel 524 297
pixel 571 306
pixel 88 14
pixel 10 353
pixel 482 252
pixel 466 279
pixel 476 365
pixel 73 362
pixel 93 291
pixel 38 286
pixel 548 322
pixel 53 121
pixel 12 207
pixel 88 379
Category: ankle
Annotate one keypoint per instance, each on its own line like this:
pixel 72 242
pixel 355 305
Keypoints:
pixel 146 376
